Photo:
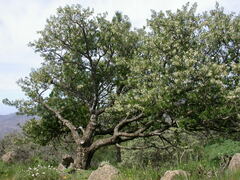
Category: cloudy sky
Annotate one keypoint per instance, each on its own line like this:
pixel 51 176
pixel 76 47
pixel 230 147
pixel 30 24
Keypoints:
pixel 20 19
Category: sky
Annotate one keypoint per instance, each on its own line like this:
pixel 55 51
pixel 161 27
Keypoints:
pixel 21 19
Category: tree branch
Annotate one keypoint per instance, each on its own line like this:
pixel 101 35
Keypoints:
pixel 143 147
pixel 65 122
pixel 126 121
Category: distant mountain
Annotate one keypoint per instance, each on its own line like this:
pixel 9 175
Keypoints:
pixel 10 123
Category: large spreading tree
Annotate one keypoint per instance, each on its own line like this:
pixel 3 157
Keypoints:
pixel 105 83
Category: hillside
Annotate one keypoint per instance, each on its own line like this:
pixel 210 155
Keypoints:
pixel 10 123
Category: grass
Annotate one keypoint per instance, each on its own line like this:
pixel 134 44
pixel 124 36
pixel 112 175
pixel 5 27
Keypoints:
pixel 138 174
pixel 151 174
pixel 199 171
pixel 20 171
pixel 82 174
pixel 8 171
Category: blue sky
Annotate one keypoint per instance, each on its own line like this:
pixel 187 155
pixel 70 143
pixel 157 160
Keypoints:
pixel 20 19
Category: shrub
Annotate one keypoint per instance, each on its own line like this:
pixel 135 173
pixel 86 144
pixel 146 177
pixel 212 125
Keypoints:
pixel 220 152
pixel 38 173
pixel 5 171
pixel 8 170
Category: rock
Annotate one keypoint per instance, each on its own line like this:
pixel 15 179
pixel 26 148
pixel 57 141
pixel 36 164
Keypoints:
pixel 234 163
pixel 104 172
pixel 16 155
pixel 171 175
pixel 67 162
pixel 61 167
pixel 9 157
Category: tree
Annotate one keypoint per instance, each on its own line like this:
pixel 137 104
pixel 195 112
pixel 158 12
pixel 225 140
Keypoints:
pixel 194 60
pixel 78 79
pixel 105 83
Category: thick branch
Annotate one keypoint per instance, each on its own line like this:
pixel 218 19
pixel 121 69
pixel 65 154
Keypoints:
pixel 143 147
pixel 89 131
pixel 103 142
pixel 65 122
pixel 119 137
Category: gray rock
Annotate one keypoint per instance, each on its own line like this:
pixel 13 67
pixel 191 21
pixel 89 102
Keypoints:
pixel 9 157
pixel 104 172
pixel 171 175
pixel 234 162
pixel 67 162
pixel 61 167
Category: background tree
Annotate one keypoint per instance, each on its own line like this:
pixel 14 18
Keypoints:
pixel 188 71
pixel 105 83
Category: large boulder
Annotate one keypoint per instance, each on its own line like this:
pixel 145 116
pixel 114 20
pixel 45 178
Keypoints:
pixel 67 162
pixel 171 175
pixel 104 172
pixel 9 157
pixel 234 163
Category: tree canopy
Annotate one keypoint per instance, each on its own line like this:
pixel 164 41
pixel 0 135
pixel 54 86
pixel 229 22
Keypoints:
pixel 102 77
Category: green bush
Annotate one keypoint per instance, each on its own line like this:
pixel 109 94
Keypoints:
pixel 38 173
pixel 142 158
pixel 8 170
pixel 104 154
pixel 221 151
pixel 5 171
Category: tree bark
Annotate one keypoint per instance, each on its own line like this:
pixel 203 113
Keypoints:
pixel 118 154
pixel 83 158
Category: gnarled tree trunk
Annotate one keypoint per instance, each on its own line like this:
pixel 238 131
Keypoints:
pixel 83 157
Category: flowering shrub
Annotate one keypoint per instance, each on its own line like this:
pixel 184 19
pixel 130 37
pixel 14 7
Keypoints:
pixel 38 173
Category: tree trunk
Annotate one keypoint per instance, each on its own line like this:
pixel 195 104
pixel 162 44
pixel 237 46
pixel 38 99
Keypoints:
pixel 118 154
pixel 83 158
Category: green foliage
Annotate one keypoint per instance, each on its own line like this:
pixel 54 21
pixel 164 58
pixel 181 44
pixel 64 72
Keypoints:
pixel 143 157
pixel 83 175
pixel 107 154
pixel 228 176
pixel 222 150
pixel 157 152
pixel 80 51
pixel 7 171
pixel 184 74
pixel 30 171
pixel 38 173
pixel 139 174
pixel 44 130
pixel 203 160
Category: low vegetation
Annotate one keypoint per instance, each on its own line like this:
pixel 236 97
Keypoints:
pixel 208 162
